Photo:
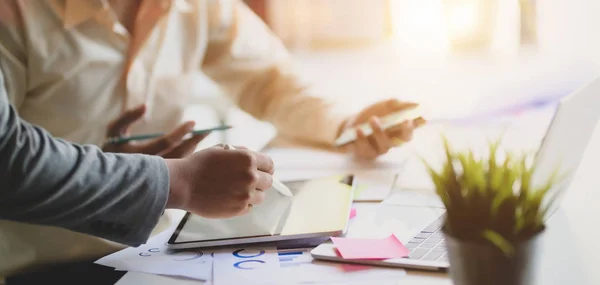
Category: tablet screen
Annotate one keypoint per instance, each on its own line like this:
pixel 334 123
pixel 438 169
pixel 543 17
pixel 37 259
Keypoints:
pixel 317 206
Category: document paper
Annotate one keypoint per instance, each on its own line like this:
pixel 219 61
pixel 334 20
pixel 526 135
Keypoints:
pixel 154 257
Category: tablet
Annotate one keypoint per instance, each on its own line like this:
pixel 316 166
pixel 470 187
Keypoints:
pixel 318 208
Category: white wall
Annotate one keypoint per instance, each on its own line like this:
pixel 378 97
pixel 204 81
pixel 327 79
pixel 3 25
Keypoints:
pixel 300 22
pixel 568 55
pixel 571 29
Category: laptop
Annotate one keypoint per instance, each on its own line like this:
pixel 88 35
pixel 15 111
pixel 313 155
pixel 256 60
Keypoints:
pixel 564 144
pixel 318 209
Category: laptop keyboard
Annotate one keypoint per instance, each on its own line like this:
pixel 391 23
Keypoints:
pixel 429 244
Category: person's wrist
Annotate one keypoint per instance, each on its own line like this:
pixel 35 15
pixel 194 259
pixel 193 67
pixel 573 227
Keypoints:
pixel 179 187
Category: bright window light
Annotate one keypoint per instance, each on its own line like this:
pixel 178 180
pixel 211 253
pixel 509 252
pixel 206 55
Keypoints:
pixel 418 25
pixel 462 20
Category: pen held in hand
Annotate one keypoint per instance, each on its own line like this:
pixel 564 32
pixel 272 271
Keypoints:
pixel 280 187
pixel 120 140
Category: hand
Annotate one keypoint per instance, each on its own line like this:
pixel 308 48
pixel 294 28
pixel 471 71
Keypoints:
pixel 381 141
pixel 219 183
pixel 171 145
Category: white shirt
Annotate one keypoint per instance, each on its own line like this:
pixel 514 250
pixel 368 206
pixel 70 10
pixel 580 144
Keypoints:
pixel 71 67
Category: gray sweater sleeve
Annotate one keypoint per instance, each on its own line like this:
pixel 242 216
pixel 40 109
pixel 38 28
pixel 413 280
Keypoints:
pixel 49 181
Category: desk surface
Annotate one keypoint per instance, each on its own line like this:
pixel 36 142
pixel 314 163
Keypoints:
pixel 569 251
pixel 568 255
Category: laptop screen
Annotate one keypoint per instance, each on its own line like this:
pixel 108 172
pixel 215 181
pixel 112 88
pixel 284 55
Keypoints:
pixel 567 139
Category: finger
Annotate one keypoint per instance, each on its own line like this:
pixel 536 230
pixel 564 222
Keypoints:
pixel 400 105
pixel 257 197
pixel 406 125
pixel 380 140
pixel 264 180
pixel 264 163
pixel 418 122
pixel 168 141
pixel 247 208
pixel 253 160
pixel 403 131
pixel 186 147
pixel 347 148
pixel 250 199
pixel 390 106
pixel 221 145
pixel 120 126
pixel 362 147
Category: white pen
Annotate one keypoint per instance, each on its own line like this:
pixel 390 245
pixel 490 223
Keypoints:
pixel 280 187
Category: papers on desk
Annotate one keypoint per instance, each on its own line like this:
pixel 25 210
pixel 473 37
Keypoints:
pixel 240 265
pixel 246 266
pixel 375 185
pixel 414 198
pixel 153 257
pixel 267 266
pixel 301 164
pixel 254 265
pixel 373 179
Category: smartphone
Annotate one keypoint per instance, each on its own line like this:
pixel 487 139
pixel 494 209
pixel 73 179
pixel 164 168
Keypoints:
pixel 387 122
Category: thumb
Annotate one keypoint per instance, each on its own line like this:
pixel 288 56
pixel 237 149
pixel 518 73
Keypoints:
pixel 386 107
pixel 121 125
pixel 418 122
pixel 394 105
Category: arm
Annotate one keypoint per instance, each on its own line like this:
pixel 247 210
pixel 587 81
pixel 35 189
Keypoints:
pixel 52 182
pixel 253 67
pixel 13 52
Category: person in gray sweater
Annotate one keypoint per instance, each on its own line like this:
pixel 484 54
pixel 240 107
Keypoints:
pixel 118 197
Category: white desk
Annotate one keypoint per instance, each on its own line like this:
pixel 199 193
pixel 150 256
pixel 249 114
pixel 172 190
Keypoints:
pixel 565 259
pixel 570 249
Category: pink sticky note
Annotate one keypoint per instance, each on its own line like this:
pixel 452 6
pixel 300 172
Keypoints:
pixel 352 213
pixel 357 248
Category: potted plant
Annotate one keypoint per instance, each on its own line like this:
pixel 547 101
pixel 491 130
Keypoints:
pixel 494 215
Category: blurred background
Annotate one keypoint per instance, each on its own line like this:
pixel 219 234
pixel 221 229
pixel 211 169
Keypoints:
pixel 458 57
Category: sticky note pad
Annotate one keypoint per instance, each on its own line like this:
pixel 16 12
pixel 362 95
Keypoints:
pixel 357 248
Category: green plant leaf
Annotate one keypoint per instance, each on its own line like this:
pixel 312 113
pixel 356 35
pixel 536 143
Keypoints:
pixel 490 194
pixel 477 171
pixel 504 245
pixel 555 178
pixel 544 212
pixel 452 183
pixel 519 222
pixel 438 181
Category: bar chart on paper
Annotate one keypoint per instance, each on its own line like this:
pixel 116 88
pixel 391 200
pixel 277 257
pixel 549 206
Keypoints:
pixel 294 258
